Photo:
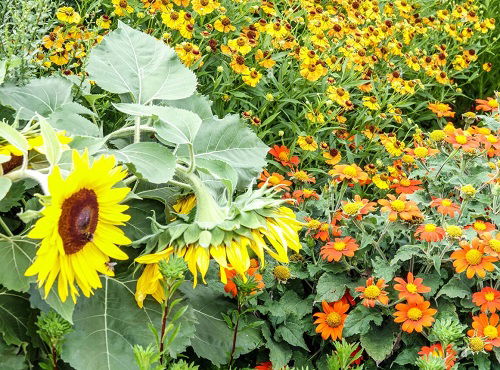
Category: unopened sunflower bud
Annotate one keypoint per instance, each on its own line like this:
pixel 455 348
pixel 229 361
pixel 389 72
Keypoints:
pixel 296 257
pixel 282 273
pixel 173 269
pixel 431 362
pixel 447 330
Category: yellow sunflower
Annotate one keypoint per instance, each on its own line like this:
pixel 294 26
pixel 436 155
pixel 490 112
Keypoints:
pixel 79 226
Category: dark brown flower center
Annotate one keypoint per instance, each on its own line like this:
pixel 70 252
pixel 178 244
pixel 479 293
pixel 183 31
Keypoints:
pixel 78 220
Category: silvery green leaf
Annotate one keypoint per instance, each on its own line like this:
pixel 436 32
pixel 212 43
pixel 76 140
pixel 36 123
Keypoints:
pixel 14 137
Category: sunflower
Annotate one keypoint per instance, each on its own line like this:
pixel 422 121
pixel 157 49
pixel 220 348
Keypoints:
pixel 487 328
pixel 253 271
pixel 414 315
pixel 488 299
pixel 471 258
pixel 333 251
pixel 331 320
pixel 79 226
pixel 373 292
pixel 411 288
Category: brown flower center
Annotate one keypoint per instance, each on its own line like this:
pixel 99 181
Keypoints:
pixel 78 220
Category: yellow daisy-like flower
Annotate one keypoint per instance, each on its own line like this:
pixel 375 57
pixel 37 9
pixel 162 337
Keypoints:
pixel 79 226
pixel 204 7
pixel 68 15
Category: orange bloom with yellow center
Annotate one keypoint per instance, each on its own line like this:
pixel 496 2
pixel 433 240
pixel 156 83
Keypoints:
pixel 400 207
pixel 441 109
pixel 487 105
pixel 333 251
pixel 445 206
pixel 487 328
pixel 488 299
pixel 460 139
pixel 481 226
pixel 407 186
pixel 331 321
pixel 348 172
pixel 373 292
pixel 471 258
pixel 492 244
pixel 411 288
pixel 282 155
pixel 430 233
pixel 436 350
pixel 275 180
pixel 415 315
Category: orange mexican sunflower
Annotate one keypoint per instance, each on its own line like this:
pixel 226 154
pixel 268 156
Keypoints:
pixel 331 320
pixel 441 109
pixel 407 186
pixel 282 155
pixel 372 293
pixel 231 287
pixel 400 207
pixel 275 180
pixel 411 288
pixel 492 244
pixel 421 152
pixel 488 299
pixel 264 366
pixel 471 258
pixel 487 328
pixel 481 226
pixel 338 248
pixel 460 139
pixel 445 206
pixel 332 157
pixel 414 315
pixel 358 207
pixel 487 105
pixel 430 233
pixel 436 350
pixel 302 176
pixel 348 172
pixel 301 195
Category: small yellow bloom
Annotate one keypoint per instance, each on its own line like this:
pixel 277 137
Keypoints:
pixel 67 14
pixel 307 143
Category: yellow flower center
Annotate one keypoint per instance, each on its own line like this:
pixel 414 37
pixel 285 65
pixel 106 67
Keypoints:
pixel 405 182
pixel 437 135
pixel 446 203
pixel 421 152
pixel 371 292
pixel 454 231
pixel 430 228
pixel 494 244
pixel 490 331
pixel 398 205
pixel 339 246
pixel 481 226
pixel 412 288
pixel 491 139
pixel 476 344
pixel 474 257
pixel 274 180
pixel 283 156
pixel 468 190
pixel 282 273
pixel 493 103
pixel 301 175
pixel 352 208
pixel 333 319
pixel 414 314
pixel 349 171
pixel 313 224
pixel 489 296
pixel 461 139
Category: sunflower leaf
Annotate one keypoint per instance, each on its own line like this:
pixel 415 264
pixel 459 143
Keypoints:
pixel 379 341
pixel 16 255
pixel 5 184
pixel 359 319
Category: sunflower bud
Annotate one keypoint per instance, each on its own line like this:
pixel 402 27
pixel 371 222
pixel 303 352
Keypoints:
pixel 447 330
pixel 431 362
pixel 173 268
pixel 282 273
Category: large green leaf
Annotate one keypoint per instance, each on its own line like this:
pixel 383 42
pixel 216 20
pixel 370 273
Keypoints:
pixel 359 319
pixel 5 184
pixel 150 161
pixel 16 255
pixel 331 287
pixel 52 302
pixel 10 358
pixel 14 317
pixel 379 341
pixel 455 288
pixel 130 61
pixel 107 326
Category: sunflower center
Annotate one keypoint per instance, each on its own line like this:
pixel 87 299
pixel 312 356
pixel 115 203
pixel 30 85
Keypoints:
pixel 78 220
pixel 494 244
pixel 461 139
pixel 349 171
pixel 339 246
pixel 398 205
pixel 476 344
pixel 446 203
pixel 490 331
pixel 479 226
pixel 474 257
pixel 430 228
pixel 372 292
pixel 412 288
pixel 333 319
pixel 414 314
pixel 489 296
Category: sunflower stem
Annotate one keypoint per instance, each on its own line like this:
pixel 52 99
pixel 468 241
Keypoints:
pixel 235 333
pixel 5 227
pixel 137 129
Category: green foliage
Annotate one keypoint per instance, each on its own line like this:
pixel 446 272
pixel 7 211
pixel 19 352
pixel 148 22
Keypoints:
pixel 342 357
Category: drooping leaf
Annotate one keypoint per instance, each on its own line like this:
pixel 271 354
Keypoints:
pixel 150 161
pixel 16 255
pixel 130 61
pixel 359 320
pixel 52 302
pixel 14 317
pixel 13 136
pixel 5 184
pixel 379 341
pixel 51 143
pixel 139 224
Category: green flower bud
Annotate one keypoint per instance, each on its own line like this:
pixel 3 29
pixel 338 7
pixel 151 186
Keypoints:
pixel 447 330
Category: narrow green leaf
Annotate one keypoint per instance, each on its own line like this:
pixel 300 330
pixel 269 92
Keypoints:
pixel 51 144
pixel 14 137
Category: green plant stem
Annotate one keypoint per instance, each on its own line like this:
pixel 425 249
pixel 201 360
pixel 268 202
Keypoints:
pixel 5 227
pixel 452 154
pixel 163 327
pixel 54 357
pixel 137 129
pixel 377 243
pixel 235 334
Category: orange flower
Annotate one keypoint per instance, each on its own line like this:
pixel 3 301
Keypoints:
pixel 400 207
pixel 231 287
pixel 445 206
pixel 487 105
pixel 358 207
pixel 487 328
pixel 461 139
pixel 481 226
pixel 331 320
pixel 410 289
pixel 302 176
pixel 373 292
pixel 264 366
pixel 430 233
pixel 414 315
pixel 472 259
pixel 282 155
pixel 488 299
pixel 338 248
pixel 301 195
pixel 441 109
pixel 332 157
pixel 492 244
pixel 275 179
pixel 348 172
pixel 407 186
pixel 436 350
